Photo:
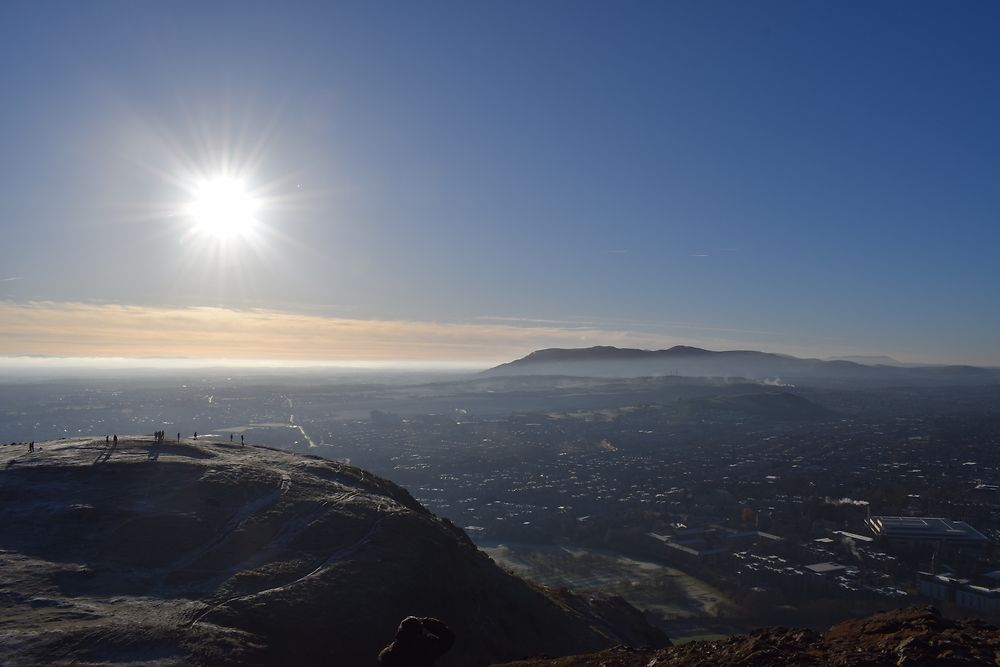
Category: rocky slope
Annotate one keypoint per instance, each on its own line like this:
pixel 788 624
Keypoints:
pixel 914 637
pixel 213 554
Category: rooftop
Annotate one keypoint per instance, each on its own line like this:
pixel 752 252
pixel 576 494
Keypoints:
pixel 929 529
pixel 824 568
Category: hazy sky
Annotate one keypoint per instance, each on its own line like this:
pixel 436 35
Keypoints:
pixel 472 180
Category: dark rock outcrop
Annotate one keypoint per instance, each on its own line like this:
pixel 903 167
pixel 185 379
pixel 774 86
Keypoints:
pixel 213 554
pixel 418 643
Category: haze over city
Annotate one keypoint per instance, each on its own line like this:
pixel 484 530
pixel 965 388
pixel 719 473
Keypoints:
pixel 458 184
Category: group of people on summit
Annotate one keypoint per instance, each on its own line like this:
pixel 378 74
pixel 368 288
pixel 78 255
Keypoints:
pixel 158 438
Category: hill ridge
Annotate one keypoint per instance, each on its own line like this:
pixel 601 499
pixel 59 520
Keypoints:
pixel 610 361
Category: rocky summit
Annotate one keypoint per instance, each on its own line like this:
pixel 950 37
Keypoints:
pixel 914 637
pixel 209 553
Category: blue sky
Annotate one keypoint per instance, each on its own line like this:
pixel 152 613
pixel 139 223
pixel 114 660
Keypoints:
pixel 815 178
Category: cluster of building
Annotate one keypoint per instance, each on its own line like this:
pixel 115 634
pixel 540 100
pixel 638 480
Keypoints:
pixel 778 507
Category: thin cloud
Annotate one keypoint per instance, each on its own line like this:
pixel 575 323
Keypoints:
pixel 57 329
pixel 11 279
pixel 89 330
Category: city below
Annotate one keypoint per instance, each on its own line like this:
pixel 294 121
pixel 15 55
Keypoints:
pixel 712 505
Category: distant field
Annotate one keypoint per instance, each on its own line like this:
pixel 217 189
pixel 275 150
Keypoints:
pixel 647 585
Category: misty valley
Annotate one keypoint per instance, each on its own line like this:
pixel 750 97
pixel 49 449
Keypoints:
pixel 714 505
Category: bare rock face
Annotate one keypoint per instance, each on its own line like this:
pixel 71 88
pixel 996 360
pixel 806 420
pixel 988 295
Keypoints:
pixel 216 554
pixel 914 637
pixel 418 643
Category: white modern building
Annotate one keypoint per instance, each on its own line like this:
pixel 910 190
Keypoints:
pixel 924 529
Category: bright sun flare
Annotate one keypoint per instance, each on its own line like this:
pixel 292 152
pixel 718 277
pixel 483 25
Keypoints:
pixel 223 208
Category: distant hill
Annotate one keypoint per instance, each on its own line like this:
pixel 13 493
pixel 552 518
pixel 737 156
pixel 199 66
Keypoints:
pixel 871 360
pixel 200 553
pixel 605 361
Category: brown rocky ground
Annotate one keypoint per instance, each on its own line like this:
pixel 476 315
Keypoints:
pixel 904 638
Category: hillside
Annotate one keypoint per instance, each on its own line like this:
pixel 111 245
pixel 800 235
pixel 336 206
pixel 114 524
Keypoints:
pixel 909 637
pixel 213 554
pixel 604 361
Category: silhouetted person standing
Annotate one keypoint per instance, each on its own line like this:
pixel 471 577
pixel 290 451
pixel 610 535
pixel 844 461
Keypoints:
pixel 242 444
pixel 230 437
pixel 178 436
pixel 419 642
pixel 115 442
pixel 196 435
pixel 31 447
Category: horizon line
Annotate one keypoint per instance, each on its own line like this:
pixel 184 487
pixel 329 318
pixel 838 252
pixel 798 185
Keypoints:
pixel 199 336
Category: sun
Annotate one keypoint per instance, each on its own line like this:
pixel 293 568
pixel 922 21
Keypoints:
pixel 223 208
